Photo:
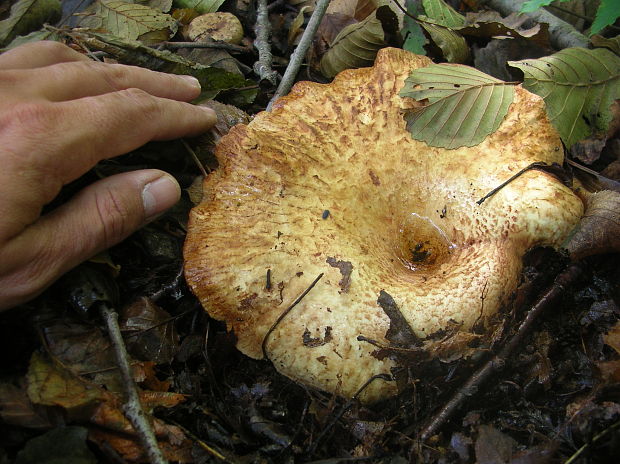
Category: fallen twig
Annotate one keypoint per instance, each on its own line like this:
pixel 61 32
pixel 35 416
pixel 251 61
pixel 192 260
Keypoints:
pixel 563 280
pixel 596 438
pixel 201 167
pixel 210 44
pixel 298 55
pixel 265 59
pixel 562 34
pixel 132 407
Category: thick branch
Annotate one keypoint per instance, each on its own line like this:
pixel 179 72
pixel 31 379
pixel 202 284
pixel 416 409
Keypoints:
pixel 300 52
pixel 562 34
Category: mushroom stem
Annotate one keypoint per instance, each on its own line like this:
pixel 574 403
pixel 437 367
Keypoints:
pixel 497 362
pixel 300 52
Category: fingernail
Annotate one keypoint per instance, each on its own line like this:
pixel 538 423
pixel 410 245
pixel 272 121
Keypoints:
pixel 192 81
pixel 159 195
pixel 209 111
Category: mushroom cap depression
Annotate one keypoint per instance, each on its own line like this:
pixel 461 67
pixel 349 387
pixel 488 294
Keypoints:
pixel 331 182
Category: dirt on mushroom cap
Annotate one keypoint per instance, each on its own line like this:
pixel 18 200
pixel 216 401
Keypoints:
pixel 402 220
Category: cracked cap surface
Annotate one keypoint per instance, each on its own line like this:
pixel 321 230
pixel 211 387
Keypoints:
pixel 403 220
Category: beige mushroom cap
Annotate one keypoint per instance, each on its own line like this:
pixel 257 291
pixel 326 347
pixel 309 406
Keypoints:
pixel 403 220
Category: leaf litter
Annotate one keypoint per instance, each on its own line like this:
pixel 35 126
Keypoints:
pixel 555 400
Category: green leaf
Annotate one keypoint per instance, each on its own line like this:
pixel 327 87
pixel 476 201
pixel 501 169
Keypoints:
pixel 212 80
pixel 607 13
pixel 357 45
pixel 160 5
pixel 578 86
pixel 464 105
pixel 613 43
pixel 533 5
pixel 66 445
pixel 133 21
pixel 35 36
pixel 412 31
pixel 453 45
pixel 27 16
pixel 439 12
pixel 201 6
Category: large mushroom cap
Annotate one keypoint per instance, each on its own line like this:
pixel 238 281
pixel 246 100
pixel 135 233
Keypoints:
pixel 404 234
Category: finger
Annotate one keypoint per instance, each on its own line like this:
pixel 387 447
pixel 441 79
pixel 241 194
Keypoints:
pixel 100 216
pixel 48 145
pixel 115 124
pixel 78 79
pixel 39 54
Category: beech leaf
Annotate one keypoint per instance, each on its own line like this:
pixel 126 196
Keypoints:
pixel 161 5
pixel 578 86
pixel 599 229
pixel 26 16
pixel 132 21
pixel 439 12
pixel 464 105
pixel 607 14
pixel 356 46
pixel 212 79
pixel 452 44
pixel 201 6
pixel 35 36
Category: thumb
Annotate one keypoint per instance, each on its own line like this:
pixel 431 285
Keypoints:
pixel 100 216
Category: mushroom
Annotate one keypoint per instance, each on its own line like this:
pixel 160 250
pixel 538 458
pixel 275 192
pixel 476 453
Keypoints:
pixel 331 182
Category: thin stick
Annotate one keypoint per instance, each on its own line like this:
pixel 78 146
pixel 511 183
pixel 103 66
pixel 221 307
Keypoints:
pixel 503 184
pixel 298 55
pixel 470 388
pixel 591 442
pixel 265 59
pixel 286 311
pixel 195 158
pixel 132 407
pixel 215 45
pixel 212 451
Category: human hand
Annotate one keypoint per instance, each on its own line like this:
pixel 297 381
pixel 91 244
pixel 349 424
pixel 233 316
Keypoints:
pixel 60 114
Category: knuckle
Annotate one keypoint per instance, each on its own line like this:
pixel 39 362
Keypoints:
pixel 32 116
pixel 118 76
pixel 25 275
pixel 113 216
pixel 144 100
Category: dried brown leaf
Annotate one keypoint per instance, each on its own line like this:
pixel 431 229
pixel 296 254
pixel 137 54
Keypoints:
pixel 329 28
pixel 155 336
pixel 50 384
pixel 490 24
pixel 493 447
pixel 599 229
pixel 612 338
pixel 16 409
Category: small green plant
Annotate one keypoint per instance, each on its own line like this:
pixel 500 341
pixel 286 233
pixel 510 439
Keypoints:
pixel 607 13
